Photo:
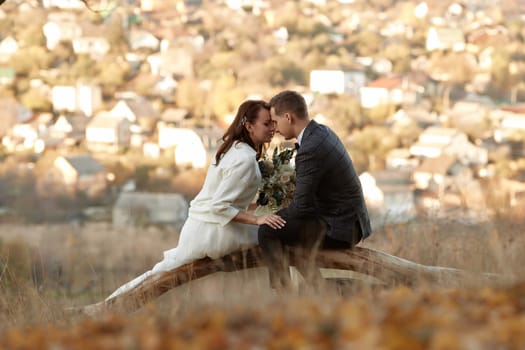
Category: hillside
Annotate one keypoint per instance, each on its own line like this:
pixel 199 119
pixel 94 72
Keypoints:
pixel 395 319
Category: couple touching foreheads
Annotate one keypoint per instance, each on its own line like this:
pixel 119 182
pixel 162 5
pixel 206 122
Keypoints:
pixel 328 210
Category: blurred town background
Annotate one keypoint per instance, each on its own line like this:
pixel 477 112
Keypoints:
pixel 110 110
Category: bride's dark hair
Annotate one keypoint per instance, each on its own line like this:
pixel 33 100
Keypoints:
pixel 247 113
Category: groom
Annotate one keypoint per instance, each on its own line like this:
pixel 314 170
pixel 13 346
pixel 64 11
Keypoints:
pixel 328 210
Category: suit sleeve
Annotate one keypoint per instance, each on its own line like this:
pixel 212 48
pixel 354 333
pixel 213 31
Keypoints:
pixel 308 176
pixel 232 185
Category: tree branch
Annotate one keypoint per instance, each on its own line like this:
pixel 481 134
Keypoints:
pixel 387 268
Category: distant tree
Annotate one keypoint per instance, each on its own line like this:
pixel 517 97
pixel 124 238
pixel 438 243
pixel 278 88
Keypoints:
pixel 346 58
pixel 454 70
pixel 517 137
pixel 289 13
pixel 248 50
pixel 28 23
pixel 332 61
pixel 6 24
pixel 7 121
pixel 308 27
pixel 112 71
pixel 378 115
pixel 144 87
pixel 253 75
pixel 504 168
pixel 514 26
pixel 373 143
pixel 368 43
pixel 63 53
pixel 32 35
pixel 143 176
pixel 7 91
pixel 382 4
pixel 516 77
pixel 407 132
pixel 323 42
pixel 189 95
pixel 313 60
pixel 500 68
pixel 284 71
pixel 122 171
pixel 215 22
pixel 225 96
pixel 115 33
pixel 26 203
pixel 84 67
pixel 219 63
pixel 419 37
pixel 399 55
pixel 35 100
pixel 30 59
pixel 21 86
pixel 296 49
pixel 344 113
pixel 406 12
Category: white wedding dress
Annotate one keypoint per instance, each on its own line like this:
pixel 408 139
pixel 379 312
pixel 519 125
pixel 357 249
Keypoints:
pixel 209 230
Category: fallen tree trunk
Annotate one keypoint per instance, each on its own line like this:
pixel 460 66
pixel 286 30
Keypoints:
pixel 388 269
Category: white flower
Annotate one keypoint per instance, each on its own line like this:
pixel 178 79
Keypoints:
pixel 287 168
pixel 285 178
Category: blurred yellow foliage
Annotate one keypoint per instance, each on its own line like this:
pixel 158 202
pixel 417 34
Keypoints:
pixel 400 318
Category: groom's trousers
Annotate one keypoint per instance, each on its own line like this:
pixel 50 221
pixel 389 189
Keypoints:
pixel 305 236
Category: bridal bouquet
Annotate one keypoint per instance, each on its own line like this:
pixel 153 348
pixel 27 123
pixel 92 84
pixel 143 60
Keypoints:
pixel 278 181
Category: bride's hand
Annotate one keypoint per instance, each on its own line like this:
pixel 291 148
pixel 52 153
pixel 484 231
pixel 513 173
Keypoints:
pixel 252 207
pixel 272 220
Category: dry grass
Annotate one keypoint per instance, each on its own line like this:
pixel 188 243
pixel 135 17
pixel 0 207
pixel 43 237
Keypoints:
pixel 96 258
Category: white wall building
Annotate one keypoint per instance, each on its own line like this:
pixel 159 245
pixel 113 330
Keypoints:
pixel 85 98
pixel 336 81
pixel 435 142
pixel 63 4
pixel 188 146
pixel 445 38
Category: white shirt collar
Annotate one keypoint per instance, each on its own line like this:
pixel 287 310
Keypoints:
pixel 300 137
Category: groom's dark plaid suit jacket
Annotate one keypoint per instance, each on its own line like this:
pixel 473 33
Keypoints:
pixel 327 185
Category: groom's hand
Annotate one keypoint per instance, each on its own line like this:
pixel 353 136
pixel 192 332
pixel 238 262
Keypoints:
pixel 272 220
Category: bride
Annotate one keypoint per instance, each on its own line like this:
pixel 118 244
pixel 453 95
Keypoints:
pixel 219 220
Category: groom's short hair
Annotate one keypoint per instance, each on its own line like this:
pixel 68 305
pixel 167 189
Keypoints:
pixel 291 102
